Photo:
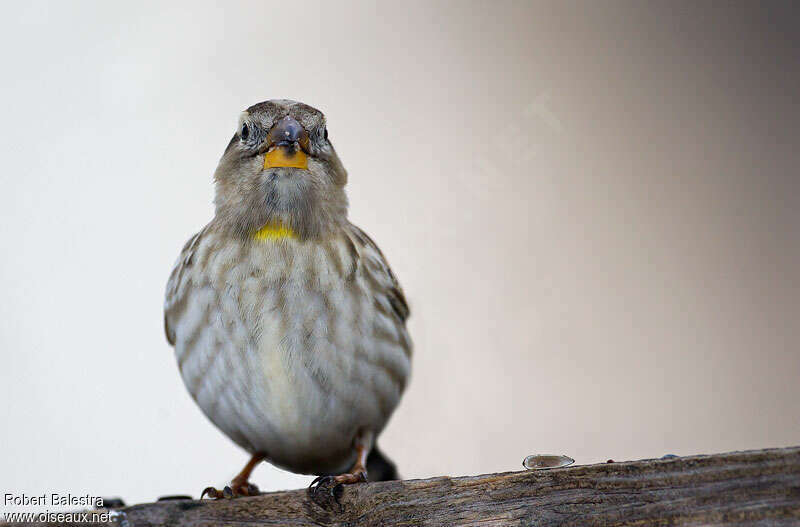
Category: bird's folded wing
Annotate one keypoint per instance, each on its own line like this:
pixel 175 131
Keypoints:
pixel 372 258
pixel 174 294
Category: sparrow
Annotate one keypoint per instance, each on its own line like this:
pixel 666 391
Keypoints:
pixel 288 325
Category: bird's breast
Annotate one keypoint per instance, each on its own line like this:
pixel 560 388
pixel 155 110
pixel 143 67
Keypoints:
pixel 294 352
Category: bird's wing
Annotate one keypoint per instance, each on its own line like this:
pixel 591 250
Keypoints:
pixel 174 294
pixel 371 256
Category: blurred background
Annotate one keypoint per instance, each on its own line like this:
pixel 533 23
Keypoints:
pixel 594 209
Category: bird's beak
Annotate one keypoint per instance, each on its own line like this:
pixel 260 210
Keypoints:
pixel 287 144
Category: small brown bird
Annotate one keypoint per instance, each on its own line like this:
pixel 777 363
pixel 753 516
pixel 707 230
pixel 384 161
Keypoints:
pixel 287 322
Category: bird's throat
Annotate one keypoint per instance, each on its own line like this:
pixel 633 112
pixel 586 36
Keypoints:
pixel 274 231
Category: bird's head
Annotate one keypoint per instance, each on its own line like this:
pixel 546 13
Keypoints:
pixel 280 171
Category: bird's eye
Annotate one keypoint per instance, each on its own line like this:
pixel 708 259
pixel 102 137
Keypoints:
pixel 325 133
pixel 245 132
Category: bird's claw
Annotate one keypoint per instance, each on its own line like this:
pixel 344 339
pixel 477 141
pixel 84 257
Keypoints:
pixel 323 481
pixel 335 485
pixel 228 492
pixel 212 493
pixel 334 491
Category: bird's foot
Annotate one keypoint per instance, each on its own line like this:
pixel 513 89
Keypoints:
pixel 326 488
pixel 239 485
pixel 235 490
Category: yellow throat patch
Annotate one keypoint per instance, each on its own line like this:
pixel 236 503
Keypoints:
pixel 274 231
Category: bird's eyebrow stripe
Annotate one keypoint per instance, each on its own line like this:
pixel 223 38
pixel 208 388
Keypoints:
pixel 267 113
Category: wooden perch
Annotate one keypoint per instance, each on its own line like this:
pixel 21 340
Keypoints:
pixel 760 487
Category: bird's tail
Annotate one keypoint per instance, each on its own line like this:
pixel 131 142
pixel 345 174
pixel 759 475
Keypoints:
pixel 379 467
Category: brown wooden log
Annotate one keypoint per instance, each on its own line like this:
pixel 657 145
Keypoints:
pixel 760 487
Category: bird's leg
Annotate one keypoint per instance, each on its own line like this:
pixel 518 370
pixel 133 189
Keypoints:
pixel 239 485
pixel 357 473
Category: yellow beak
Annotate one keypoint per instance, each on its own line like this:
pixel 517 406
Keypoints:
pixel 282 156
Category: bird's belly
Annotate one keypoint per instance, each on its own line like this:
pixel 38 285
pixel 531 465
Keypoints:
pixel 294 371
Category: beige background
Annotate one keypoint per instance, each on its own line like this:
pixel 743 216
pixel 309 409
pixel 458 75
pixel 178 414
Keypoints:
pixel 594 210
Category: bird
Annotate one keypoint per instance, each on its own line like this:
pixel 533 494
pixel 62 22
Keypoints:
pixel 288 325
